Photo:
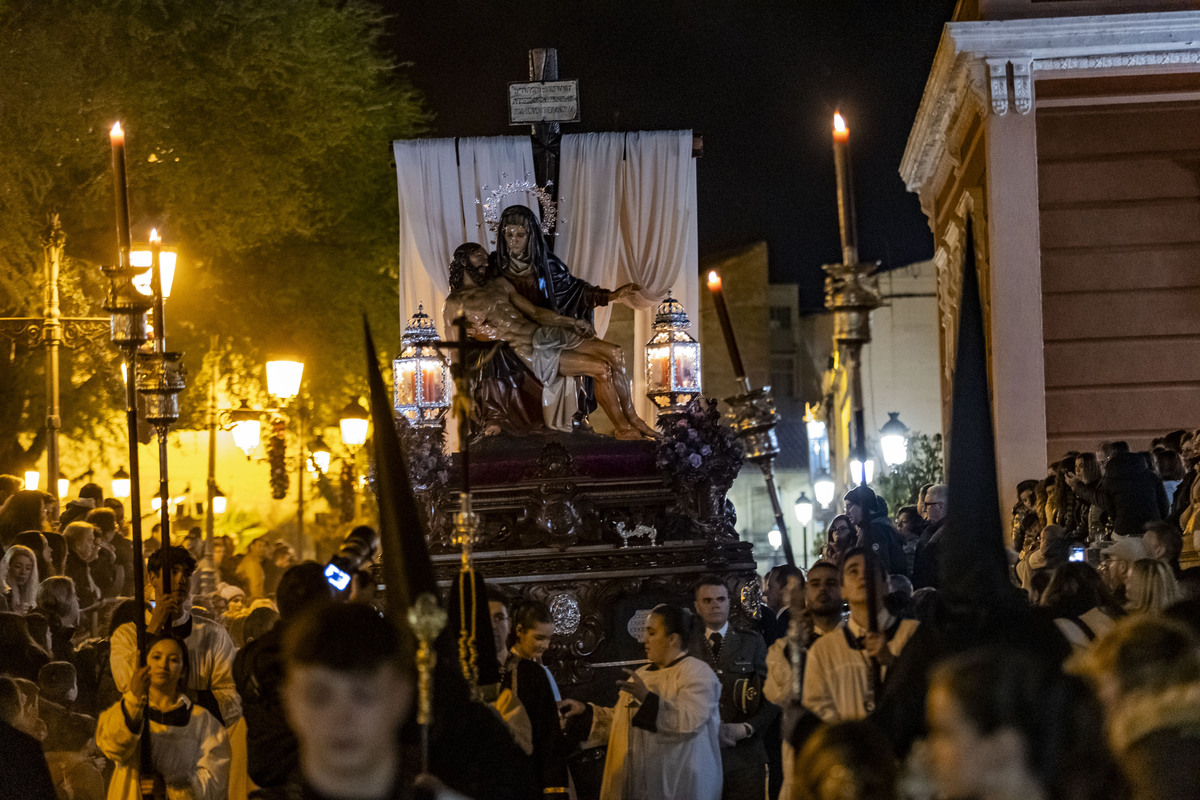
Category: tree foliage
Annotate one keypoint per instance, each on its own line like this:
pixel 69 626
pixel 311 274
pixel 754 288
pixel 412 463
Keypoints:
pixel 258 139
pixel 901 486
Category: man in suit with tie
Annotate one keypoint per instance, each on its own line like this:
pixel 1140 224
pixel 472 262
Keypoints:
pixel 739 657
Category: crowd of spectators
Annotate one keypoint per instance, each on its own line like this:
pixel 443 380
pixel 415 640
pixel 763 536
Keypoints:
pixel 864 676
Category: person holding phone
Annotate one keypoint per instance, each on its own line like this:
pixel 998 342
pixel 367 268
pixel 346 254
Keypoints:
pixel 662 733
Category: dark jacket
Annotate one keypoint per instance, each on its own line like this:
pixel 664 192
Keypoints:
pixel 79 571
pixel 550 749
pixel 1132 494
pixel 925 562
pixel 24 775
pixel 741 666
pixel 885 541
pixel 271 748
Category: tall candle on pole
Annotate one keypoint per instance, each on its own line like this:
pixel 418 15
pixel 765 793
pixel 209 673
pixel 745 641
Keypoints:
pixel 851 293
pixel 116 138
pixel 739 370
pixel 845 190
pixel 754 417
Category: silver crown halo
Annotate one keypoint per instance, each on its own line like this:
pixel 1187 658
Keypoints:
pixel 491 206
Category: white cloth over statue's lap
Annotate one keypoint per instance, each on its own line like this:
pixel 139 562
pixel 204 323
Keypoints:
pixel 542 355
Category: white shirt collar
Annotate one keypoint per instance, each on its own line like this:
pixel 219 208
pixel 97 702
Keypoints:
pixel 885 619
pixel 708 632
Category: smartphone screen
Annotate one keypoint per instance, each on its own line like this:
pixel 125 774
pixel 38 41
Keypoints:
pixel 1078 553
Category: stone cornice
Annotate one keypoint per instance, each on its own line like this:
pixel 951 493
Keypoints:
pixel 976 58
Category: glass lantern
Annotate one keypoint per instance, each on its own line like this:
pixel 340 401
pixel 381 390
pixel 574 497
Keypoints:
pixel 420 374
pixel 246 425
pixel 121 484
pixel 893 440
pixel 672 359
pixel 354 423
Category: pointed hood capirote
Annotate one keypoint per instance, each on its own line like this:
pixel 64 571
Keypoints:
pixel 407 568
pixel 973 567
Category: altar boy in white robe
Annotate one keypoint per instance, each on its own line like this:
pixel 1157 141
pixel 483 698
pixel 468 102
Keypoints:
pixel 662 734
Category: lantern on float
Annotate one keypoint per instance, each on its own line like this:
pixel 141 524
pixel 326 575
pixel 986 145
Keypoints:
pixel 420 374
pixel 672 359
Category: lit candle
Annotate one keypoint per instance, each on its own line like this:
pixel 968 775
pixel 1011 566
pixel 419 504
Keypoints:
pixel 160 333
pixel 845 192
pixel 117 138
pixel 714 286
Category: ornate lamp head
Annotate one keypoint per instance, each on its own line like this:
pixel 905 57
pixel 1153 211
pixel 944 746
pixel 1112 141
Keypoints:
pixel 421 376
pixel 672 359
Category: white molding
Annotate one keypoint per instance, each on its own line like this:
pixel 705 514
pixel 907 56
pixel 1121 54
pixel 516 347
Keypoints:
pixel 975 57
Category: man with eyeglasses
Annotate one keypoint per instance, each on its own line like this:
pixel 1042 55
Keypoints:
pixel 925 562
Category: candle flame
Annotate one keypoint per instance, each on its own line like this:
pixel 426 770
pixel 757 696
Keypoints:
pixel 839 123
pixel 714 281
pixel 117 134
pixel 154 237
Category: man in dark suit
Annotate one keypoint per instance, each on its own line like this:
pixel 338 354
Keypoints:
pixel 774 617
pixel 739 657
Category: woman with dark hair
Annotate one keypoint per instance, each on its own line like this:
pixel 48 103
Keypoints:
pixel 1004 726
pixel 1085 481
pixel 1083 607
pixel 188 746
pixel 58 552
pixel 840 536
pixel 846 761
pixel 527 678
pixel 24 511
pixel 20 654
pixel 662 734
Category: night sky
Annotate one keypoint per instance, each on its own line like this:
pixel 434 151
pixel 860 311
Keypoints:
pixel 758 80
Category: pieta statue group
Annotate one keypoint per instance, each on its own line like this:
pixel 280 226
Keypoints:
pixel 524 296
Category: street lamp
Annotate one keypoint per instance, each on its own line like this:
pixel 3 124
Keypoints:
pixel 856 471
pixel 823 488
pixel 672 359
pixel 218 501
pixel 804 509
pixel 804 515
pixel 893 439
pixel 120 484
pixel 142 257
pixel 246 427
pixel 354 424
pixel 33 479
pixel 319 456
pixel 283 379
pixel 64 485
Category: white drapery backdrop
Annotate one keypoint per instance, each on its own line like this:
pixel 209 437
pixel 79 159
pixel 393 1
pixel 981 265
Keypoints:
pixel 439 181
pixel 627 209
pixel 627 214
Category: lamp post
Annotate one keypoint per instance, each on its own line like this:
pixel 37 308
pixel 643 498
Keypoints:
pixel 804 515
pixel 283 383
pixel 754 415
pixel 120 484
pixel 893 440
pixel 354 423
pixel 51 331
pixel 672 359
pixel 160 379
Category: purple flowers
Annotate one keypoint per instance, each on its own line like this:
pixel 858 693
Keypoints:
pixel 700 448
